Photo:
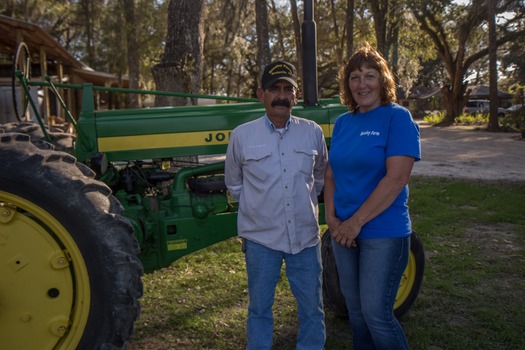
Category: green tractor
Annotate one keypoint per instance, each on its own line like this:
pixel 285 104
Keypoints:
pixel 81 221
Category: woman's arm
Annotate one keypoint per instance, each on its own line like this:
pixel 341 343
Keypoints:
pixel 398 171
pixel 329 208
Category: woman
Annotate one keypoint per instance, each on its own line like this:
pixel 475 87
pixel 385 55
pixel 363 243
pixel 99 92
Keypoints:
pixel 372 152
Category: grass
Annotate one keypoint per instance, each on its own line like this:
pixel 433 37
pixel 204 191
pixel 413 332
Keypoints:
pixel 473 294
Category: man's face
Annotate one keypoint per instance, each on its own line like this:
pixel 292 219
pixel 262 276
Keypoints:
pixel 278 99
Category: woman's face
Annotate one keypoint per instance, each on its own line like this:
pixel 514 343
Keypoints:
pixel 365 86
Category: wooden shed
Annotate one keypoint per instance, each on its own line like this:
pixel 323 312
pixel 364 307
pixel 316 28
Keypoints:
pixel 48 58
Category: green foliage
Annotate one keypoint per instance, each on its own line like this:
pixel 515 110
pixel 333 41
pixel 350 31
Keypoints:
pixel 459 35
pixel 469 119
pixel 94 31
pixel 514 121
pixel 473 294
pixel 435 117
pixel 513 63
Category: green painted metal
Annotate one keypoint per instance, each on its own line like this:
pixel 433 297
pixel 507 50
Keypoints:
pixel 62 103
pixel 25 86
pixel 174 210
pixel 207 126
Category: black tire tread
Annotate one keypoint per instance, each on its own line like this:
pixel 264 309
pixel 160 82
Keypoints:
pixel 60 140
pixel 55 179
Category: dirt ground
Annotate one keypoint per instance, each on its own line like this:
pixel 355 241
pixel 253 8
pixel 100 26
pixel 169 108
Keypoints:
pixel 454 152
pixel 466 152
pixel 470 152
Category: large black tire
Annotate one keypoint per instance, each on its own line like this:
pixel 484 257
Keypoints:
pixel 59 139
pixel 70 273
pixel 408 288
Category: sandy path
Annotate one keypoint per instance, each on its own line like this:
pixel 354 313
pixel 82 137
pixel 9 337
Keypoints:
pixel 463 152
pixel 467 152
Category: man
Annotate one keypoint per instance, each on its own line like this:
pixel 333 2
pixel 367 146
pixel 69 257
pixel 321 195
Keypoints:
pixel 274 168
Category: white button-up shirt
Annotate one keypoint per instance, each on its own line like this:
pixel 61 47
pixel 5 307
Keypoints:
pixel 276 175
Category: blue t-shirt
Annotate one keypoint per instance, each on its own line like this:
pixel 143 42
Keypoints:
pixel 361 143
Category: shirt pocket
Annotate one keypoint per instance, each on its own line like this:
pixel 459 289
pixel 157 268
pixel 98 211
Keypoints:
pixel 306 159
pixel 257 163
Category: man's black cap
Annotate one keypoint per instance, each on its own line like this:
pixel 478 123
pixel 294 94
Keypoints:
pixel 279 70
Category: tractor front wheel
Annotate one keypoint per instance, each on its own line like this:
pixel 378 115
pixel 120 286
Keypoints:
pixel 70 275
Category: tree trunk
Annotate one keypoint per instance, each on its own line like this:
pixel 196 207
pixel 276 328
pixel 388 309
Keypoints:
pixel 455 63
pixel 180 69
pixel 349 28
pixel 297 36
pixel 393 38
pixel 454 98
pixel 261 25
pixel 279 47
pixel 132 51
pixel 493 70
pixel 89 13
pixel 339 49
pixel 379 13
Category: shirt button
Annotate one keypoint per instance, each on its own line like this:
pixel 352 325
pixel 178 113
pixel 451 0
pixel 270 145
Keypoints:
pixel 284 170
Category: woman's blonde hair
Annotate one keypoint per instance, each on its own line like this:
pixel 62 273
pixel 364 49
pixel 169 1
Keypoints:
pixel 367 57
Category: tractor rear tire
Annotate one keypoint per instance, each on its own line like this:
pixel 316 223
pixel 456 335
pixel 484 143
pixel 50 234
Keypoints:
pixel 408 288
pixel 59 139
pixel 69 267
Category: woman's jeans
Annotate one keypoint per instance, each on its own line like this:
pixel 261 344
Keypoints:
pixel 369 276
pixel 304 273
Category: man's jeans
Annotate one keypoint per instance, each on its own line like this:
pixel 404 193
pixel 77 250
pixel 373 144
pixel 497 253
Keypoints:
pixel 304 272
pixel 369 276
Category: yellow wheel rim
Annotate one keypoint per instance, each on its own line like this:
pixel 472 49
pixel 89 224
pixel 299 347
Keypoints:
pixel 44 284
pixel 407 282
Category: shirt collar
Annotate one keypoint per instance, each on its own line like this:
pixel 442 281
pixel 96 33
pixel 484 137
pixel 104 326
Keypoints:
pixel 272 127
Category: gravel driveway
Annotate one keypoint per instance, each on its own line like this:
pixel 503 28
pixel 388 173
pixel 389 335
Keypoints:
pixel 466 152
pixel 470 153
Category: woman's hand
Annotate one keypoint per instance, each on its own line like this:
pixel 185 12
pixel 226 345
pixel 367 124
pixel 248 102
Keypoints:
pixel 346 232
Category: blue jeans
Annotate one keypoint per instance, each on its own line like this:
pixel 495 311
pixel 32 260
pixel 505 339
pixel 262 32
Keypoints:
pixel 369 276
pixel 304 273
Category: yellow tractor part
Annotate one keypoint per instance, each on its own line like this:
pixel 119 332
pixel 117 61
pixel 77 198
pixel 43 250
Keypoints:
pixel 44 284
pixel 407 281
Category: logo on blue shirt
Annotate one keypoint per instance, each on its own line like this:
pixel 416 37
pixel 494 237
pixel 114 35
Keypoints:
pixel 370 133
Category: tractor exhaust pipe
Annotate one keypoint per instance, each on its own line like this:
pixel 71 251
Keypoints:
pixel 309 37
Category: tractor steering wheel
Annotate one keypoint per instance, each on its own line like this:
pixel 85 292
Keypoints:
pixel 22 63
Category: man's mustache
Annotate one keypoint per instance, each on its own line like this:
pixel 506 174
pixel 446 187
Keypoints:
pixel 281 102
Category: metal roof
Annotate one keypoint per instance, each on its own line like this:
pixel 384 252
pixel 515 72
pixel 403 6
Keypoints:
pixel 13 30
